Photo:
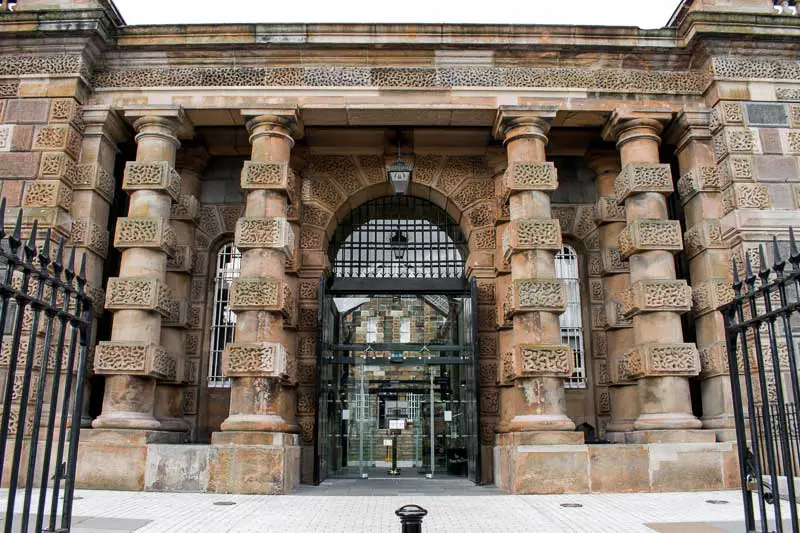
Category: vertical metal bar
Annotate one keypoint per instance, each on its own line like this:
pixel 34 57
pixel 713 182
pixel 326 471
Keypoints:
pixel 85 330
pixel 432 423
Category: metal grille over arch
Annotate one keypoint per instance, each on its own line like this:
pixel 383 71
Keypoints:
pixel 398 237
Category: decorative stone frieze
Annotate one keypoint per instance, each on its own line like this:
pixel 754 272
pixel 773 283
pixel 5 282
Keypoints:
pixel 532 360
pixel 87 234
pixel 607 211
pixel 697 180
pixel 57 166
pixel 615 314
pixel 539 295
pixel 147 294
pixel 642 177
pixel 735 168
pixel 185 209
pixel 612 262
pixel 792 141
pixel 745 196
pixel 656 359
pixel 94 178
pixel 258 294
pixel 67 110
pixel 708 295
pixel 531 234
pixel 657 295
pixel 736 141
pixel 258 359
pixel 153 176
pixel 703 236
pixel 726 114
pixel 275 233
pixel 134 358
pixel 714 360
pixel 645 235
pixel 256 175
pixel 48 194
pixel 182 259
pixel 145 232
pixel 57 137
pixel 530 177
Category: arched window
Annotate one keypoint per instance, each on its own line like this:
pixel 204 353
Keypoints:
pixel 223 320
pixel 570 320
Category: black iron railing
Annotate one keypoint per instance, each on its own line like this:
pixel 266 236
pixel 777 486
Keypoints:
pixel 761 324
pixel 47 317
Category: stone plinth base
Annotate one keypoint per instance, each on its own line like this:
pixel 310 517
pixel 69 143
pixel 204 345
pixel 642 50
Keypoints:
pixel 574 468
pixel 656 436
pixel 116 459
pixel 236 462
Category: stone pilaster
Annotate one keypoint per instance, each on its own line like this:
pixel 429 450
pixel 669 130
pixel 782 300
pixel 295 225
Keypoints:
pixel 134 359
pixel 709 264
pixel 610 218
pixel 172 400
pixel 539 361
pixel 660 361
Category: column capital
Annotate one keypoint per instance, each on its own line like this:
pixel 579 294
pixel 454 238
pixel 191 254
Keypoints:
pixel 104 121
pixel 689 126
pixel 513 122
pixel 604 162
pixel 281 121
pixel 629 124
pixel 164 121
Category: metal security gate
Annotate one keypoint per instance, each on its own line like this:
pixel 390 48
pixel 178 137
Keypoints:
pixel 761 324
pixel 47 315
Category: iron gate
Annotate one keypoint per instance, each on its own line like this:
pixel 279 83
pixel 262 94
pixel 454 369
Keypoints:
pixel 762 357
pixel 46 313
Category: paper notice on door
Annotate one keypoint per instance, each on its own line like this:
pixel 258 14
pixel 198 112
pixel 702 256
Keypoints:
pixel 345 414
pixel 448 416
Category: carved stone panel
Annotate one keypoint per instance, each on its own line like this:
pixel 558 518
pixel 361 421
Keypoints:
pixel 145 232
pixel 57 137
pixel 640 177
pixel 257 294
pixel 257 359
pixel 186 208
pixel 703 236
pixel 714 360
pixel 708 295
pixel 531 176
pixel 613 263
pixel 697 180
pixel 152 176
pixel 531 234
pixel 607 210
pixel 57 166
pixel 656 359
pixel 48 193
pixel 267 232
pixel 147 294
pixel 89 235
pixel 539 295
pixel 745 196
pixel 134 358
pixel 644 235
pixel 256 175
pixel 532 360
pixel 657 295
pixel 94 178
pixel 181 260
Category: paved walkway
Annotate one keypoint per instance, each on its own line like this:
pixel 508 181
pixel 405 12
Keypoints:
pixel 367 506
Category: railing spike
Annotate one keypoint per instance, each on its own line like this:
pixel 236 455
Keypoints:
pixel 18 227
pixel 44 254
pixel 58 262
pixel 70 270
pixel 737 284
pixel 763 270
pixel 2 217
pixel 82 270
pixel 778 263
pixel 749 277
pixel 30 246
pixel 794 253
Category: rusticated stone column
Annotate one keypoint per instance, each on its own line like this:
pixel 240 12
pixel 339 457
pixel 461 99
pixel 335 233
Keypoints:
pixel 134 358
pixel 539 361
pixel 610 219
pixel 660 360
pixel 258 360
pixel 170 397
pixel 709 264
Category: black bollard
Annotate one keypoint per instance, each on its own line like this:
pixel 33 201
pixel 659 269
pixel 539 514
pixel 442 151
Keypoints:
pixel 411 518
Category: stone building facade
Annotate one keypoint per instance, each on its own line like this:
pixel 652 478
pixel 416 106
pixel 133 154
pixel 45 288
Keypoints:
pixel 656 155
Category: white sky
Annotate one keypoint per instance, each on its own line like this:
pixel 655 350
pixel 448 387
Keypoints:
pixel 642 13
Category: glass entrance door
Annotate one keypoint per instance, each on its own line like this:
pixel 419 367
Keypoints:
pixel 397 388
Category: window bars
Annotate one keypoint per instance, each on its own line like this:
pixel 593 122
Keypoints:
pixel 761 327
pixel 46 313
pixel 398 237
pixel 223 320
pixel 570 320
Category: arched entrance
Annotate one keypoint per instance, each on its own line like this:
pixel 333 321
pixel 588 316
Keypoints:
pixel 397 347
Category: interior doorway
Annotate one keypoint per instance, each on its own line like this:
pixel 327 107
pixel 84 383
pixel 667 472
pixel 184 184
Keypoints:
pixel 398 389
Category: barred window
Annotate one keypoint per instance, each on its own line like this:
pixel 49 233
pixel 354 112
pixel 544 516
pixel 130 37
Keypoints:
pixel 372 330
pixel 223 320
pixel 570 320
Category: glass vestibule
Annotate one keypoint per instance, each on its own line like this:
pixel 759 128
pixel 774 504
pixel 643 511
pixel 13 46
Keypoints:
pixel 397 378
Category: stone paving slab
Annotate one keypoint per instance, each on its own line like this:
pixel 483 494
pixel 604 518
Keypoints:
pixel 334 509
